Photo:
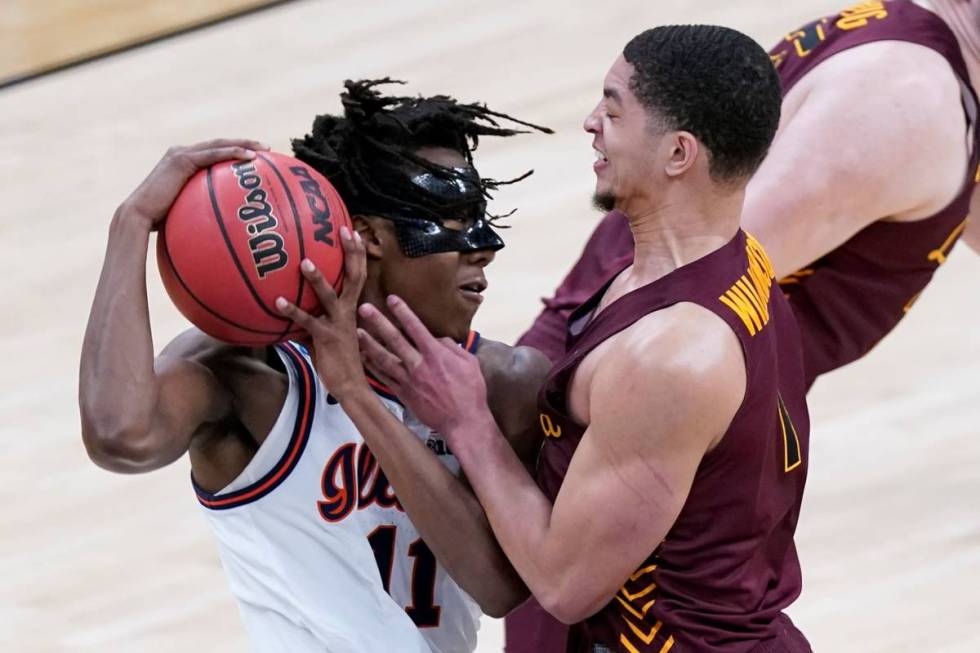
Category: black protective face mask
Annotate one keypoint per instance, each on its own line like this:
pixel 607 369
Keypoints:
pixel 417 237
pixel 420 236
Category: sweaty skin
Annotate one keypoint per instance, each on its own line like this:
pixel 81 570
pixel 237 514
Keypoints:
pixel 631 472
pixel 218 402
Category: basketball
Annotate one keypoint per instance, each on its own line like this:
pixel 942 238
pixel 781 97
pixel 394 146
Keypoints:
pixel 234 239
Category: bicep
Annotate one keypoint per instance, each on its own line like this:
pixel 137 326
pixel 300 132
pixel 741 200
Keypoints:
pixel 188 395
pixel 633 470
pixel 618 504
pixel 630 477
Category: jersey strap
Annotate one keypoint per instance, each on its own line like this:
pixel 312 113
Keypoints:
pixel 306 386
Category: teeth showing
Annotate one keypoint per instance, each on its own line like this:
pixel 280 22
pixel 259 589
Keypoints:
pixel 599 155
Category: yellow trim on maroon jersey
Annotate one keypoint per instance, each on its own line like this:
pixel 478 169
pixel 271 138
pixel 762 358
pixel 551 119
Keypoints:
pixel 627 644
pixel 642 572
pixel 639 614
pixel 911 302
pixel 640 594
pixel 859 15
pixel 792 455
pixel 645 638
pixel 748 297
pixel 938 255
pixel 548 427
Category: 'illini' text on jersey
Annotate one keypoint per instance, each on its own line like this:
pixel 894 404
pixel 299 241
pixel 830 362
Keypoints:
pixel 318 551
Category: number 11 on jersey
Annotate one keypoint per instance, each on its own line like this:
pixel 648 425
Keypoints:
pixel 423 610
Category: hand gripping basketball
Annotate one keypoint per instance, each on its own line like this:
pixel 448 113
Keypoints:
pixel 333 335
pixel 235 236
pixel 153 198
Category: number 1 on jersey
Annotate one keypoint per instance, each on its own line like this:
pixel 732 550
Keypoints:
pixel 793 456
pixel 423 610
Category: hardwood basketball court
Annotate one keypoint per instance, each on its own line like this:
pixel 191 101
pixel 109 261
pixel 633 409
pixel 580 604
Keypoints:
pixel 92 561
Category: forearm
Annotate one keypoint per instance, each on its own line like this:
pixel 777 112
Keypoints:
pixel 444 510
pixel 519 513
pixel 117 389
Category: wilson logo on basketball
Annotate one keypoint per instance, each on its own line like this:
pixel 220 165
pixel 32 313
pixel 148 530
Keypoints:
pixel 317 203
pixel 267 246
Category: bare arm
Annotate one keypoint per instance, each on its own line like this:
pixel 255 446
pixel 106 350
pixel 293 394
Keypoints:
pixel 514 376
pixel 845 157
pixel 441 506
pixel 630 473
pixel 137 414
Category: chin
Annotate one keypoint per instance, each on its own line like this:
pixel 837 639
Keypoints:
pixel 604 200
pixel 456 334
pixel 456 327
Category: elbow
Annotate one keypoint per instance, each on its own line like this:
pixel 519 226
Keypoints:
pixel 500 606
pixel 117 447
pixel 572 605
pixel 566 609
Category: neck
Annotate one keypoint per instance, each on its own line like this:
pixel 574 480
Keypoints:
pixel 374 294
pixel 961 18
pixel 679 230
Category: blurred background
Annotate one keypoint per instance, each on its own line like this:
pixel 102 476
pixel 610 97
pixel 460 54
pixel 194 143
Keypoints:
pixel 91 561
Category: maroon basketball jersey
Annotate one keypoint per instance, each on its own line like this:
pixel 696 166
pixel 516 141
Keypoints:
pixel 852 297
pixel 849 299
pixel 728 566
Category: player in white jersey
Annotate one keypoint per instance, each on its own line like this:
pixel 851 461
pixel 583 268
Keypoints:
pixel 319 552
pixel 323 571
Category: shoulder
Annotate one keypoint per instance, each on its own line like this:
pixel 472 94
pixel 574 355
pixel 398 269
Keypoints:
pixel 683 364
pixel 506 364
pixel 197 347
pixel 514 376
pixel 196 360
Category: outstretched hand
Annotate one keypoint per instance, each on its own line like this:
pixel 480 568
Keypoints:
pixel 333 335
pixel 436 378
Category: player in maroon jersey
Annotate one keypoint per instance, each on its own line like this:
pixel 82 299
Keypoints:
pixel 863 193
pixel 676 425
pixel 860 200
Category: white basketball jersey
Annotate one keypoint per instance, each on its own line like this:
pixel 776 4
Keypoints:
pixel 318 551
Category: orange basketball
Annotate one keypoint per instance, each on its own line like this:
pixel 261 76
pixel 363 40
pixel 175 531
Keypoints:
pixel 233 241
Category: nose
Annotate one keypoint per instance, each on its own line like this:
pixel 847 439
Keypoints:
pixel 593 124
pixel 481 257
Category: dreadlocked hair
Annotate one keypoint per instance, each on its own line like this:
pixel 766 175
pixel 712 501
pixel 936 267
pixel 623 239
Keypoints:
pixel 368 154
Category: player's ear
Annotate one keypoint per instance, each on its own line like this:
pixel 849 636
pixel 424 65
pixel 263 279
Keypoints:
pixel 684 149
pixel 377 233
